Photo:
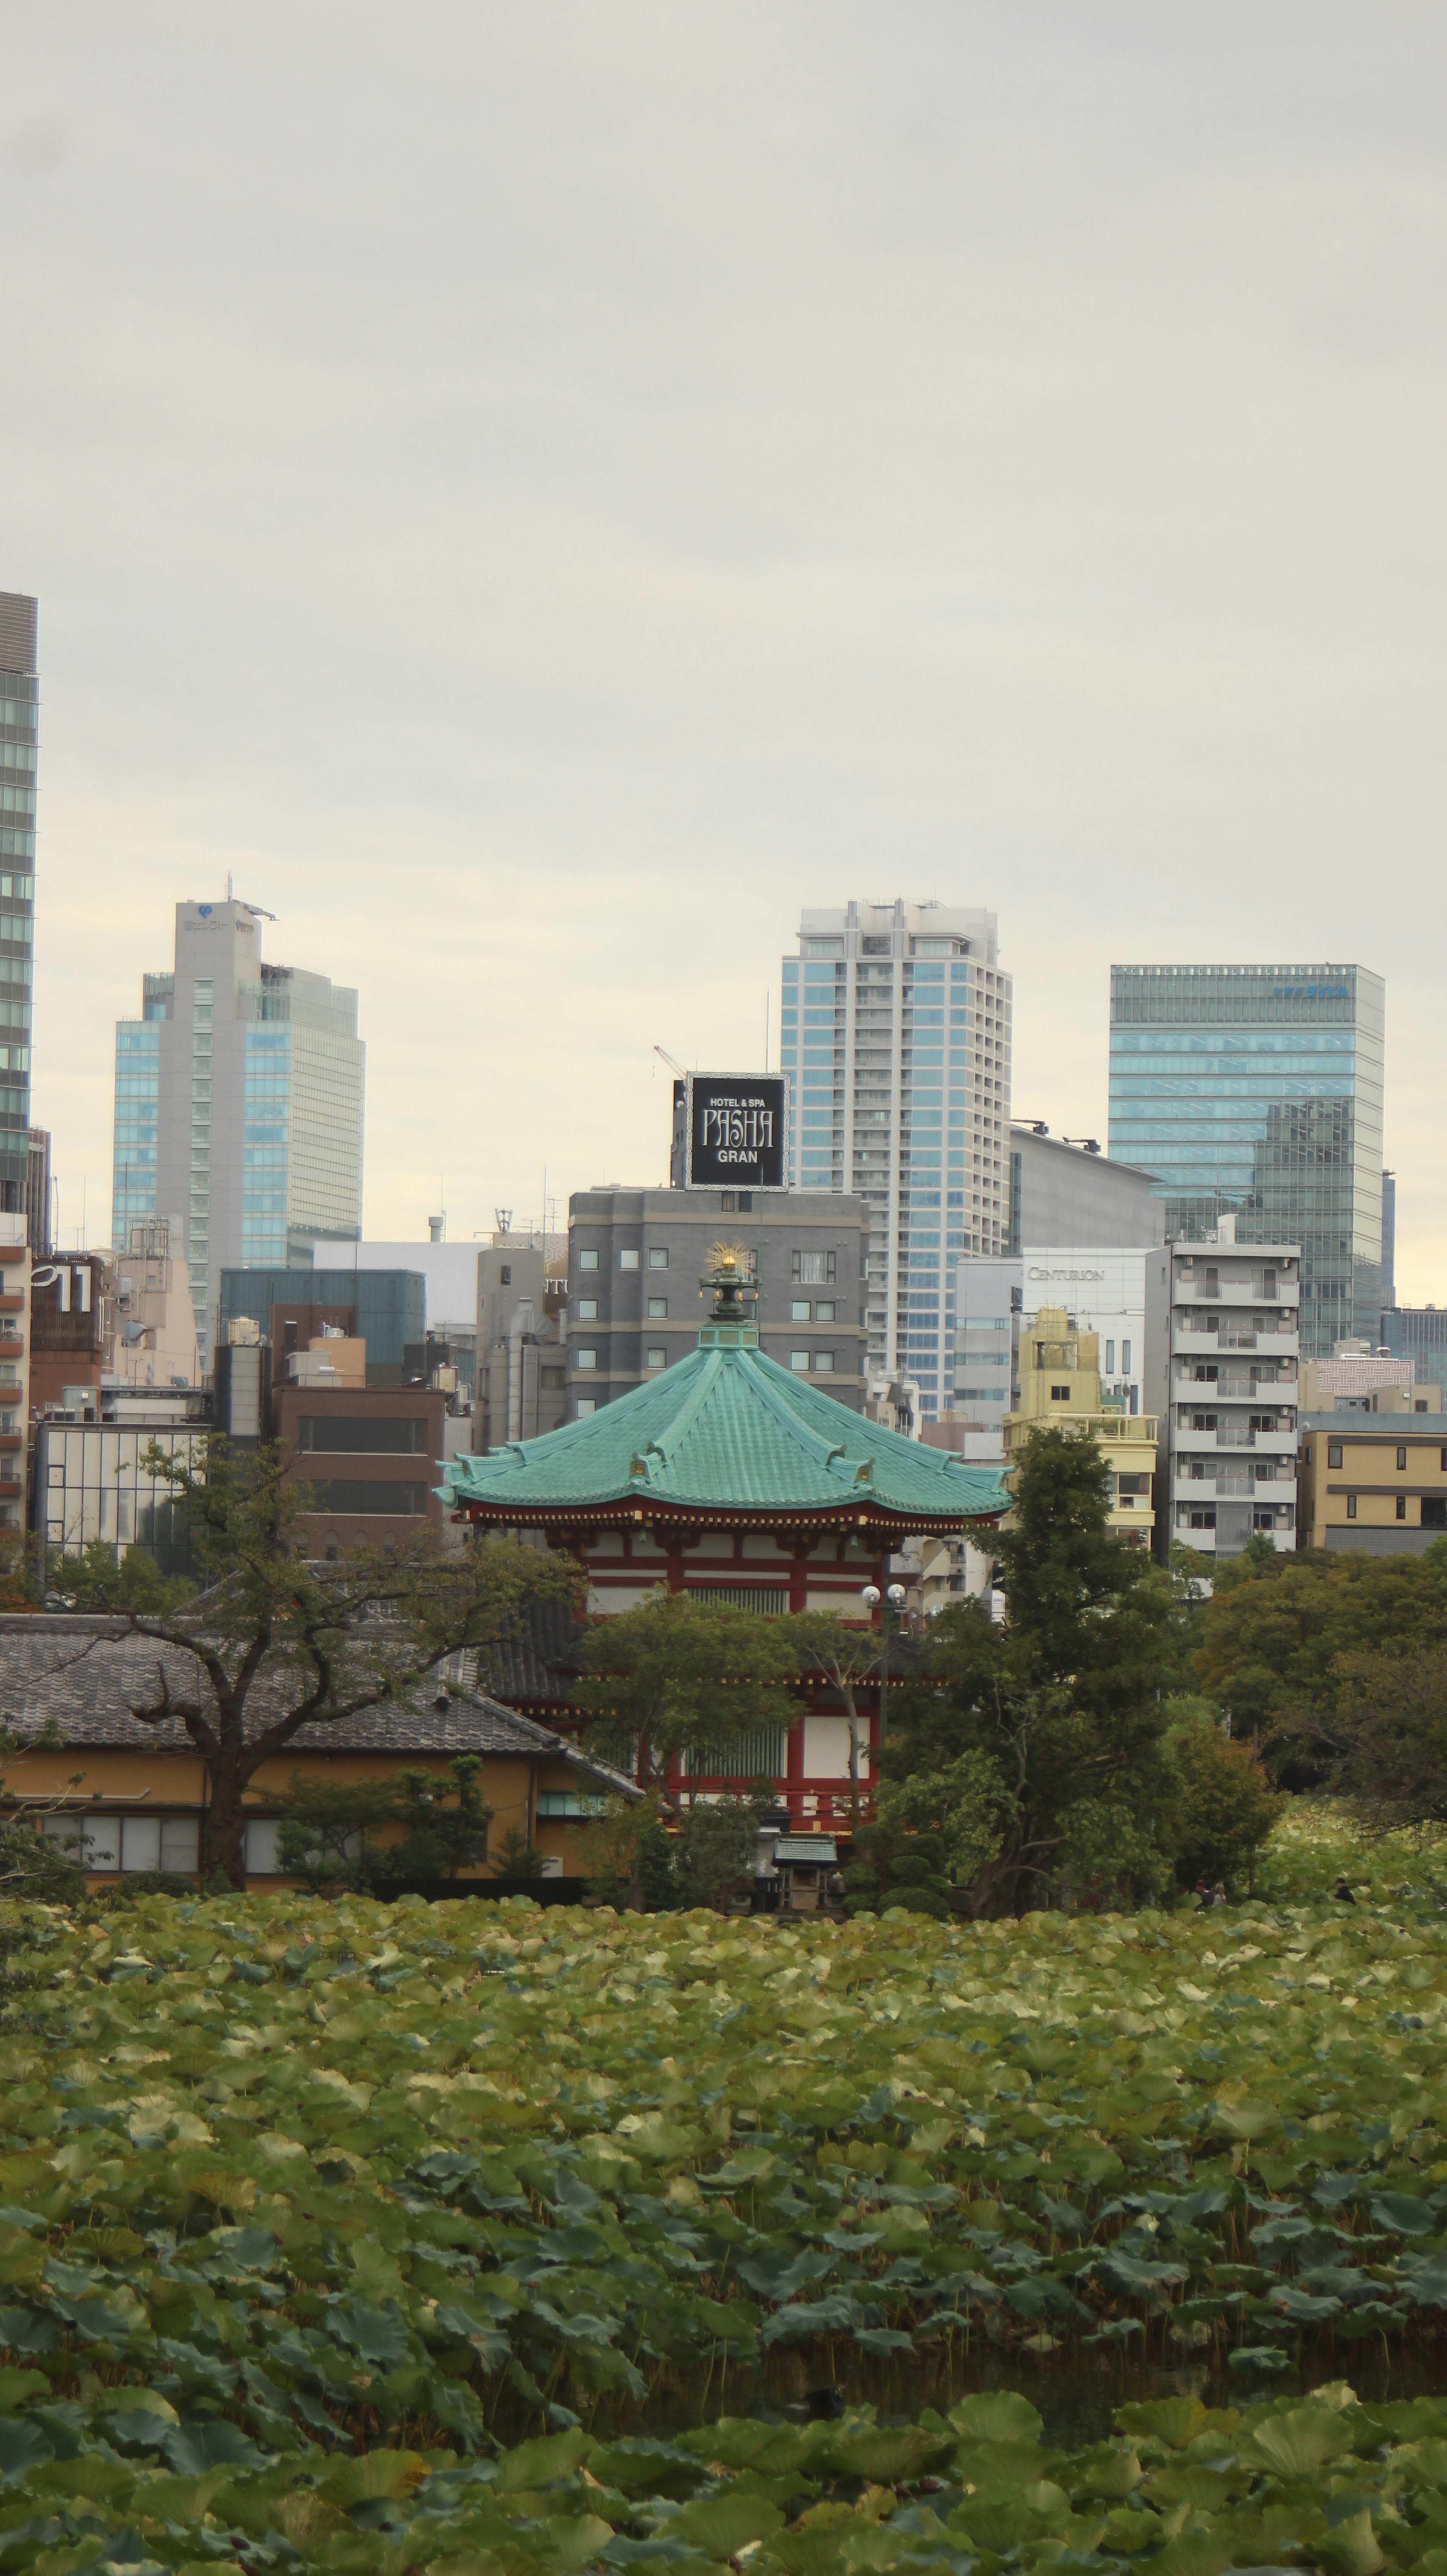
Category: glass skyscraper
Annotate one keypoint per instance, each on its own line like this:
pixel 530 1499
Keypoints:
pixel 895 1032
pixel 19 754
pixel 1257 1090
pixel 238 1105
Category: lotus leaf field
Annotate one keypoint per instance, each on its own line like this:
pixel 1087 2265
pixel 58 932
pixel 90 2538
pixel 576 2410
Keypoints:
pixel 479 2237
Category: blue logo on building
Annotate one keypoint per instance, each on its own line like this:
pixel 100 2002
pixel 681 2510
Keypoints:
pixel 205 910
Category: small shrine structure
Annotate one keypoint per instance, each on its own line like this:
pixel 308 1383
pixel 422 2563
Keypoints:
pixel 731 1479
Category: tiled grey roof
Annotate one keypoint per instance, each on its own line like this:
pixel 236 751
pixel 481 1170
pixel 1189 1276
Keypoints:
pixel 539 1661
pixel 86 1677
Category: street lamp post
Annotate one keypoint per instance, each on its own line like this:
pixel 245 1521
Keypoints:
pixel 890 1601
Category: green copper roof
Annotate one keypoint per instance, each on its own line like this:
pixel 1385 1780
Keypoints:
pixel 726 1427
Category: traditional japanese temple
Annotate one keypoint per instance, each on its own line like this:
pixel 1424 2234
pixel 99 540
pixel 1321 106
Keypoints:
pixel 730 1478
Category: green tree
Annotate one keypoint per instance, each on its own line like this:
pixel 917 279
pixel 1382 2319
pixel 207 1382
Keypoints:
pixel 443 1831
pixel 625 1856
pixel 1063 1701
pixel 679 1676
pixel 404 1837
pixel 1386 1738
pixel 322 1828
pixel 965 1802
pixel 715 1850
pixel 35 1867
pixel 1275 1631
pixel 1222 1803
pixel 896 1864
pixel 517 1855
pixel 280 1641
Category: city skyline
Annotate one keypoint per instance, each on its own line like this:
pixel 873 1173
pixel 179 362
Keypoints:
pixel 965 456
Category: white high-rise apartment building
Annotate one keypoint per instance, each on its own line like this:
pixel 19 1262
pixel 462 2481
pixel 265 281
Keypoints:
pixel 238 1113
pixel 1235 1369
pixel 895 1029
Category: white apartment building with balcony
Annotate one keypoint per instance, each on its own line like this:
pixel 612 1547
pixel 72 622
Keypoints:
pixel 895 1031
pixel 1234 1391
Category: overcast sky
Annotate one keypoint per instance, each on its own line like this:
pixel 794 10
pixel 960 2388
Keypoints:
pixel 540 494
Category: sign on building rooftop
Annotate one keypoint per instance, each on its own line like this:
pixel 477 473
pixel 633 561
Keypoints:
pixel 737 1131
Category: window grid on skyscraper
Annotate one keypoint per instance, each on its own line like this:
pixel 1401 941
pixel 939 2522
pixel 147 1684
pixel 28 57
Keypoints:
pixel 238 1103
pixel 895 1032
pixel 1258 1090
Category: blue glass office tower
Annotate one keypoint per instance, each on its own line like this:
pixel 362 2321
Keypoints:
pixel 238 1106
pixel 19 740
pixel 1258 1090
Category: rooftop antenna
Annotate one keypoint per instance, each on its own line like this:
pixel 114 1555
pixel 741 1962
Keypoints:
pixel 503 1217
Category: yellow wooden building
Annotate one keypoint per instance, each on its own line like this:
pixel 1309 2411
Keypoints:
pixel 70 1687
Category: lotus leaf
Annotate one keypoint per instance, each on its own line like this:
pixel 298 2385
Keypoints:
pixel 1299 2440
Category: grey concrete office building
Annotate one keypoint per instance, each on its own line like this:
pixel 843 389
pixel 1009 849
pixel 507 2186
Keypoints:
pixel 1068 1192
pixel 238 1105
pixel 19 755
pixel 636 1259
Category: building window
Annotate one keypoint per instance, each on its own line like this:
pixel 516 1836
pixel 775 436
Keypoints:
pixel 586 1404
pixel 657 1306
pixel 585 1310
pixel 1333 1454
pixel 505 1274
pixel 824 1311
pixel 799 1360
pixel 1060 1395
pixel 375 1495
pixel 1401 1457
pixel 657 1358
pixel 364 1434
pixel 567 1802
pixel 1401 1507
pixel 585 1359
pixel 1434 1511
pixel 123 1843
pixel 658 1256
pixel 628 1260
pixel 1351 1507
pixel 261 1859
pixel 1110 1359
pixel 1125 1359
pixel 799 1310
pixel 814 1268
pixel 824 1360
pixel 587 1261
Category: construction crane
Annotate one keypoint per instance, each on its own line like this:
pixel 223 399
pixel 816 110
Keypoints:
pixel 672 1063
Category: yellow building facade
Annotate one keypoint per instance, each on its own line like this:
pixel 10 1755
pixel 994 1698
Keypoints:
pixel 1060 1389
pixel 1374 1481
